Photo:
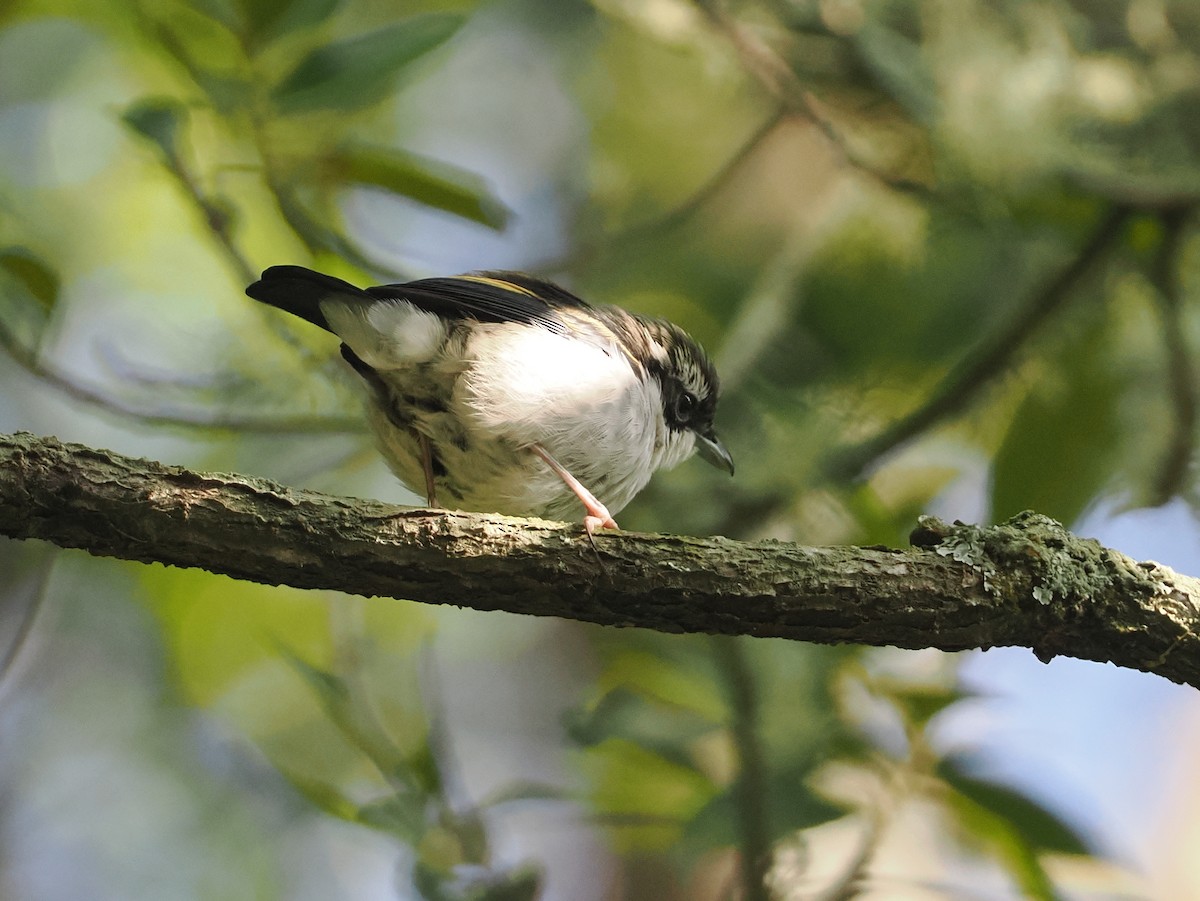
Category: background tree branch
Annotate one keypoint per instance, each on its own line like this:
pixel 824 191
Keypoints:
pixel 1027 582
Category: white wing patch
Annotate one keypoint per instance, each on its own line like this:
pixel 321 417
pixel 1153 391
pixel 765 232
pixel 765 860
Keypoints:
pixel 387 334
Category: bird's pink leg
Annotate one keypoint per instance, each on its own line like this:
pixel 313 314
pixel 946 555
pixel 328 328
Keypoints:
pixel 427 465
pixel 598 516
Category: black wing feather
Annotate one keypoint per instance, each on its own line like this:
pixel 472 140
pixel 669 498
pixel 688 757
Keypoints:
pixel 485 297
pixel 487 301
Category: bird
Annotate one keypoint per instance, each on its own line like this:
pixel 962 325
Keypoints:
pixel 501 392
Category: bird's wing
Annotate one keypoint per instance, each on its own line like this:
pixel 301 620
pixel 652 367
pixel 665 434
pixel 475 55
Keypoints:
pixel 487 297
pixel 396 325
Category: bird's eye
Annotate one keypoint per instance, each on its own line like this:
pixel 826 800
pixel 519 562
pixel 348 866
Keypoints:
pixel 685 406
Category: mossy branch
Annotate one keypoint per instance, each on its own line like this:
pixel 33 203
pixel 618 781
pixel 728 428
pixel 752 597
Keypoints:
pixel 1028 582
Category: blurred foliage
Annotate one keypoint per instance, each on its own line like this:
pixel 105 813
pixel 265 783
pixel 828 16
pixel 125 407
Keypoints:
pixel 932 244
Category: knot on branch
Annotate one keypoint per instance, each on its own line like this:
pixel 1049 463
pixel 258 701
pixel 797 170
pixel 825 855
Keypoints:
pixel 1028 556
pixel 1064 582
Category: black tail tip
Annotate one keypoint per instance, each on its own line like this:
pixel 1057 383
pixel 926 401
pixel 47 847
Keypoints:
pixel 299 291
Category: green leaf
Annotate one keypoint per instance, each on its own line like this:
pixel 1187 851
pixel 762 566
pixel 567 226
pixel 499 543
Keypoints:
pixel 38 279
pixel 663 729
pixel 791 806
pixel 357 72
pixel 158 119
pixel 266 20
pixel 1042 830
pixel 526 791
pixel 228 94
pixel 475 884
pixel 918 702
pixel 900 66
pixel 429 182
pixel 330 689
pixel 645 798
pixel 324 797
pixel 29 289
pixel 1005 843
pixel 420 769
pixel 524 884
pixel 221 11
pixel 399 815
pixel 1061 446
pixel 680 677
pixel 1013 827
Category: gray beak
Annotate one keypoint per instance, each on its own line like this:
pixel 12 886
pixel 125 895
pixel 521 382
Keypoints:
pixel 713 451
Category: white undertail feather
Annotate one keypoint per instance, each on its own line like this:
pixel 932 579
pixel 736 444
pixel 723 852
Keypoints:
pixel 386 334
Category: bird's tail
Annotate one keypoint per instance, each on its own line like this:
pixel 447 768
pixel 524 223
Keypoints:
pixel 300 291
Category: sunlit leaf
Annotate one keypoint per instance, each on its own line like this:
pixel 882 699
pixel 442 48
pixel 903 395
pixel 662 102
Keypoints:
pixel 201 37
pixel 220 633
pixel 429 182
pixel 679 680
pixel 218 10
pixel 413 765
pixel 357 72
pixel 644 798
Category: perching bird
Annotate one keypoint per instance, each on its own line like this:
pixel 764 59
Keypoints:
pixel 498 392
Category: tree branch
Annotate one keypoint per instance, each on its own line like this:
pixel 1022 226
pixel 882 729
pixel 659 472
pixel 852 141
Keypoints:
pixel 1027 582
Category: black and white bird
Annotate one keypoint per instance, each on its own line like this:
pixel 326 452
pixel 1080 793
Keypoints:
pixel 498 392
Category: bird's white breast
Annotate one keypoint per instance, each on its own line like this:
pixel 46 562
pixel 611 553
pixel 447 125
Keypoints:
pixel 582 402
pixel 386 334
pixel 531 384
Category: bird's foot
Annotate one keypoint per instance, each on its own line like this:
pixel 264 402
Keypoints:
pixel 599 521
pixel 597 516
pixel 427 466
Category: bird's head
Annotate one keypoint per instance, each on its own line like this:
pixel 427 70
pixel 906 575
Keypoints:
pixel 690 389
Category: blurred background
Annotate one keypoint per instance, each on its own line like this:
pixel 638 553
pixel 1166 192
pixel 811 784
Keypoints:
pixel 945 257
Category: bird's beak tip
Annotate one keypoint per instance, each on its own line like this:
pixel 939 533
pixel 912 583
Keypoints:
pixel 713 451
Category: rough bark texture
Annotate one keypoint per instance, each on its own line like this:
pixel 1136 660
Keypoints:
pixel 1027 582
